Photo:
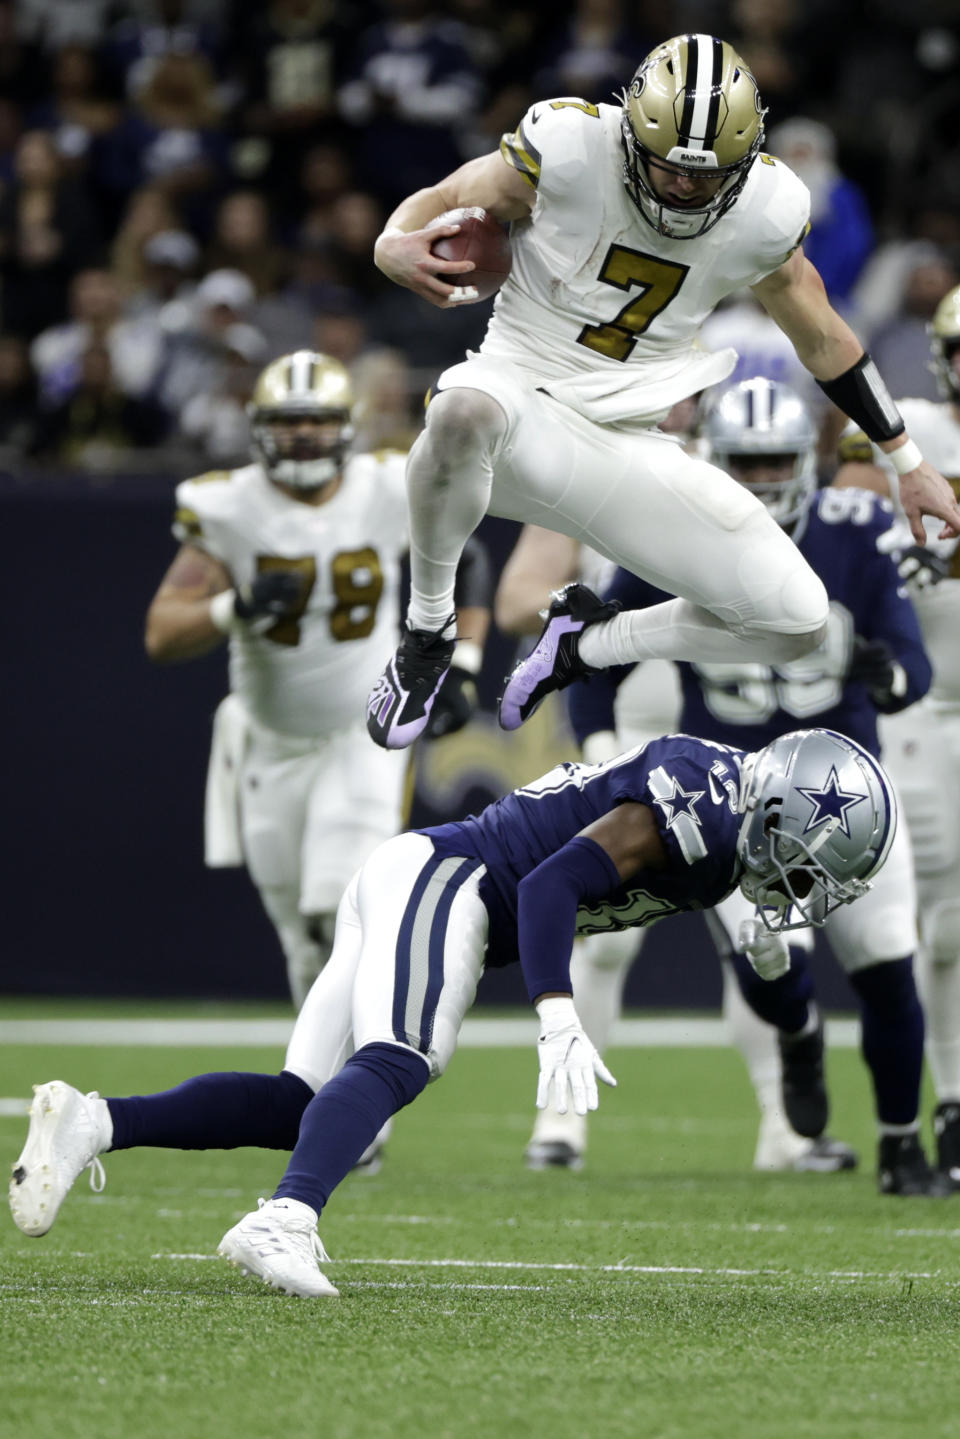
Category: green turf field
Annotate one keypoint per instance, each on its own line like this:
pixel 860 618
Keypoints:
pixel 665 1291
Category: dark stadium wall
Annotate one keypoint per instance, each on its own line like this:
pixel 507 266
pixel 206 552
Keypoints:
pixel 106 893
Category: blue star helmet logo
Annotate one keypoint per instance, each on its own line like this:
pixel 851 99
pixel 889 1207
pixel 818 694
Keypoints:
pixel 830 802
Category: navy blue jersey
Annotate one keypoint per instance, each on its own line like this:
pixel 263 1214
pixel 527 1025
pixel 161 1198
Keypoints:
pixel 691 786
pixel 749 704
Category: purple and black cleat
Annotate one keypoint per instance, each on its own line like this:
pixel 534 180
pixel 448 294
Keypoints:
pixel 400 702
pixel 554 662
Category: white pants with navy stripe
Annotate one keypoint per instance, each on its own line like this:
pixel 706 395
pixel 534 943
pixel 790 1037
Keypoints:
pixel 407 957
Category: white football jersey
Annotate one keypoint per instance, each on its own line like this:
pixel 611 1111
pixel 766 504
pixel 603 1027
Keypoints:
pixel 598 307
pixel 935 427
pixel 310 674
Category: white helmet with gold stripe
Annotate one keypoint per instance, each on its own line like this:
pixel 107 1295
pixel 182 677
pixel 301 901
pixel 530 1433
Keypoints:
pixel 300 419
pixel 692 107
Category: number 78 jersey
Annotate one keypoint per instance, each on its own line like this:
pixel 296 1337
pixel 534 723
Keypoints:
pixel 310 674
pixel 594 289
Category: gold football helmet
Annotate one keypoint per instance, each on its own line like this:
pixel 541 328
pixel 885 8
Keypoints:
pixel 693 107
pixel 945 341
pixel 303 387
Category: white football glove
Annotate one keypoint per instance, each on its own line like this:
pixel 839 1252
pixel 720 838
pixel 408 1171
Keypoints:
pixel 569 1064
pixel 767 952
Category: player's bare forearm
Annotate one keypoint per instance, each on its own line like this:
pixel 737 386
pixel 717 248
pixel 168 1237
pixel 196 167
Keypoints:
pixel 402 251
pixel 180 629
pixel 179 624
pixel 795 299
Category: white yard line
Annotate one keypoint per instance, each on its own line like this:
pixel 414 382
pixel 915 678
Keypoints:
pixel 698 1271
pixel 477 1033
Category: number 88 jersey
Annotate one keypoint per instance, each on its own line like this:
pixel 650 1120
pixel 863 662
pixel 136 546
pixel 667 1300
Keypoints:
pixel 310 674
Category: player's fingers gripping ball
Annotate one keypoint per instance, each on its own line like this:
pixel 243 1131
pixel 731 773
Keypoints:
pixel 481 239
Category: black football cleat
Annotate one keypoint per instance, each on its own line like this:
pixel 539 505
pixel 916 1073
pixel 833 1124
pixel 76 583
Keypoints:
pixel 399 705
pixel 804 1086
pixel 554 662
pixel 902 1169
pixel 946 1128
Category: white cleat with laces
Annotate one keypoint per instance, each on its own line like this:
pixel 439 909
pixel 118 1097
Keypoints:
pixel 279 1244
pixel 68 1130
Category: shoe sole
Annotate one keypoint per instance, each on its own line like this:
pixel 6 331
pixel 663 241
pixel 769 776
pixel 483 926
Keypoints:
pixel 532 671
pixel 34 1170
pixel 234 1253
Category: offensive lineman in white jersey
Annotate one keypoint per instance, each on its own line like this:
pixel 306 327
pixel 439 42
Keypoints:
pixel 629 223
pixel 922 745
pixel 296 558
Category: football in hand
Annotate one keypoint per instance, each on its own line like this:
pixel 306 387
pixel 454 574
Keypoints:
pixel 481 239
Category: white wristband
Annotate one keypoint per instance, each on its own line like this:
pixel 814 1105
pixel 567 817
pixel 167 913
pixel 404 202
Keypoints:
pixel 223 611
pixel 905 457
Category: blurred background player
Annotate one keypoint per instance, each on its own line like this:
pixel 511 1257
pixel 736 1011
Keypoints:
pixel 553 420
pixel 922 745
pixel 871 661
pixel 296 558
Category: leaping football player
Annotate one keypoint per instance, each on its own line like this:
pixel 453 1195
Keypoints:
pixel 629 223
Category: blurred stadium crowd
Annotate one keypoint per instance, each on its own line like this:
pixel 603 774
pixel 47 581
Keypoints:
pixel 189 188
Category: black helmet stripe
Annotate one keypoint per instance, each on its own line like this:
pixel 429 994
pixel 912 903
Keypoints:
pixel 701 100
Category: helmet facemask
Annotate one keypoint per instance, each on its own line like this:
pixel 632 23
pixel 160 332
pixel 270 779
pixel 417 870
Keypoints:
pixel 790 880
pixel 758 423
pixel 300 420
pixel 292 456
pixel 691 221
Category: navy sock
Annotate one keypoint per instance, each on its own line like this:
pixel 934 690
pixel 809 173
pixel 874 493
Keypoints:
pixel 782 1002
pixel 215 1111
pixel 346 1115
pixel 892 1037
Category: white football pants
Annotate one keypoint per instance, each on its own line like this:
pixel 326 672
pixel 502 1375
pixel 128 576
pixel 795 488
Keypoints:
pixel 407 957
pixel 637 498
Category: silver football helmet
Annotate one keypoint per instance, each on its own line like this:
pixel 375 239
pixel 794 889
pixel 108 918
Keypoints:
pixel 761 421
pixel 305 386
pixel 819 816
